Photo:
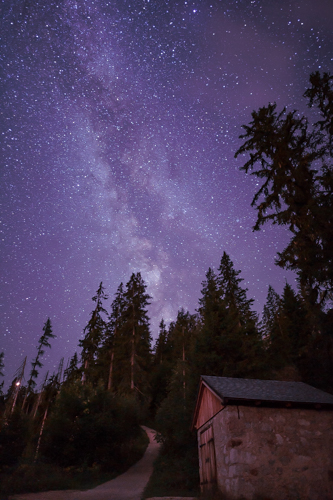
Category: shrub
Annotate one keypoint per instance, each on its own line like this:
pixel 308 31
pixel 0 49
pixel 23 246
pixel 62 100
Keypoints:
pixel 14 434
pixel 89 426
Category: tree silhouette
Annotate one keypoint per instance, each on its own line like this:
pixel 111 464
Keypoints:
pixel 294 161
pixel 94 333
pixel 42 343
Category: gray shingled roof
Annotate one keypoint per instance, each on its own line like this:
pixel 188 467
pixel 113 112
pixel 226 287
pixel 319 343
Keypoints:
pixel 267 390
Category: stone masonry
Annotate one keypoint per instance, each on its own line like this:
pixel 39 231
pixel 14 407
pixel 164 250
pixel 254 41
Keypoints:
pixel 274 453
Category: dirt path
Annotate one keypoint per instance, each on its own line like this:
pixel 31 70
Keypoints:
pixel 128 486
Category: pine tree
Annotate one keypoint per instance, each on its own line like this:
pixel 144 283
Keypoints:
pixel 111 349
pixel 94 333
pixel 295 324
pixel 161 371
pixel 132 342
pixel 211 313
pixel 270 318
pixel 294 161
pixel 275 336
pixel 42 343
pixel 272 332
pixel 210 300
pixel 287 333
pixel 232 294
pixel 173 418
pixel 229 342
pixel 175 411
pixel 72 372
pixel 181 336
pixel 181 339
pixel 161 344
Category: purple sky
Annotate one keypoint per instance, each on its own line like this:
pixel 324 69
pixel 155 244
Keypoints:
pixel 119 124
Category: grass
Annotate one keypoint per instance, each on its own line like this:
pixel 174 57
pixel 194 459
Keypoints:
pixel 27 477
pixel 174 474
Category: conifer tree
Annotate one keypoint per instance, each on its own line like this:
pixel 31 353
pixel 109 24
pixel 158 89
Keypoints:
pixel 232 294
pixel 94 333
pixel 208 354
pixel 181 336
pixel 229 343
pixel 111 349
pixel 295 324
pixel 294 162
pixel 180 383
pixel 270 318
pixel 211 298
pixel 161 344
pixel 174 415
pixel 133 339
pixel 161 370
pixel 287 333
pixel 42 343
pixel 72 372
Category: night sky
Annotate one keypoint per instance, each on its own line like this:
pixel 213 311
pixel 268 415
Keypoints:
pixel 119 124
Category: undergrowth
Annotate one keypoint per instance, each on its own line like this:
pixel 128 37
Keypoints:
pixel 29 477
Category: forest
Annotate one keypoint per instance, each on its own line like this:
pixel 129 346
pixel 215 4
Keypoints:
pixel 84 420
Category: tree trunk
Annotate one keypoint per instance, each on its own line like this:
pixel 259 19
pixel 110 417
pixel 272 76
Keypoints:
pixel 184 383
pixel 36 405
pixel 111 370
pixel 84 377
pixel 40 433
pixel 112 358
pixel 132 358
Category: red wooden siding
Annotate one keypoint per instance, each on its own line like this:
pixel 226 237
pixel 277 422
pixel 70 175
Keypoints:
pixel 209 405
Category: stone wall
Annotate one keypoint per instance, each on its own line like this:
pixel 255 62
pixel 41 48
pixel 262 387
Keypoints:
pixel 273 453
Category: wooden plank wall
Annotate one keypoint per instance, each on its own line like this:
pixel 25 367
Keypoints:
pixel 209 406
pixel 208 462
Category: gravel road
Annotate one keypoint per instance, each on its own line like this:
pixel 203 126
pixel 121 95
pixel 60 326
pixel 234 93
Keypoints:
pixel 128 486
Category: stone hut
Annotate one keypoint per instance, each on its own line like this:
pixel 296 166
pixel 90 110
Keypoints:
pixel 265 439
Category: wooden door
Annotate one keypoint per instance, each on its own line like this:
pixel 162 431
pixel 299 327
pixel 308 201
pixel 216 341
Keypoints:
pixel 208 462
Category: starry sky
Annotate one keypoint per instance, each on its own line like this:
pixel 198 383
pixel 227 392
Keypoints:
pixel 119 123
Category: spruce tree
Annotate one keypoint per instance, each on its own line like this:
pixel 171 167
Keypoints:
pixel 161 344
pixel 208 354
pixel 228 343
pixel 294 162
pixel 287 333
pixel 42 343
pixel 181 336
pixel 161 371
pixel 72 372
pixel 295 324
pixel 232 294
pixel 270 318
pixel 110 352
pixel 94 334
pixel 133 339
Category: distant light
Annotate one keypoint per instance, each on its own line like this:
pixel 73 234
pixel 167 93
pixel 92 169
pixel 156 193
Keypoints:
pixel 18 383
pixel 194 11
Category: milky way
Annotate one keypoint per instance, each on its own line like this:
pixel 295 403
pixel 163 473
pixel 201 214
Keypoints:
pixel 119 125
